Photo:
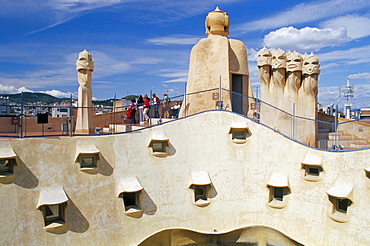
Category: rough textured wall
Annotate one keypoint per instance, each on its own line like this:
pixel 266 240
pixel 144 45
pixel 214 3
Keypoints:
pixel 209 61
pixel 239 196
pixel 289 85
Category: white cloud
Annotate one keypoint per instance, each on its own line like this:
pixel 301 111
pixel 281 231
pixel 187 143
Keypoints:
pixel 357 26
pixel 58 22
pixel 56 12
pixel 9 89
pixel 359 76
pixel 348 56
pixel 42 78
pixel 107 64
pixel 169 73
pixel 361 99
pixel 80 5
pixel 60 94
pixel 303 13
pixel 145 60
pixel 305 39
pixel 253 71
pixel 175 39
pixel 183 79
pixel 252 55
pixel 329 65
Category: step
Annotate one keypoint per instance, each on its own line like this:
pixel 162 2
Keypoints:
pixel 359 145
pixel 350 144
pixel 339 133
pixel 322 135
pixel 323 130
pixel 341 137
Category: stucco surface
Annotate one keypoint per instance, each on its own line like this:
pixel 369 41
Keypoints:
pixel 289 82
pixel 239 174
pixel 213 62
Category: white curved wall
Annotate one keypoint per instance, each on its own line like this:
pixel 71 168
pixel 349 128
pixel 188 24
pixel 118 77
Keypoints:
pixel 239 175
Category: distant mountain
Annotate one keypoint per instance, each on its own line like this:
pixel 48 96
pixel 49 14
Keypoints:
pixel 29 97
pixel 44 99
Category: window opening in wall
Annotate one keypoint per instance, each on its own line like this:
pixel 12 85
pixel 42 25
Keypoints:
pixel 202 185
pixel 54 216
pixel 278 186
pixel 88 160
pixel 6 166
pixel 131 200
pixel 341 205
pixel 159 146
pixel 53 203
pixel 52 212
pixel 340 196
pixel 239 134
pixel 277 193
pixel 129 189
pixel 200 192
pixel 312 170
pixel 339 211
pixel 367 173
pixel 87 156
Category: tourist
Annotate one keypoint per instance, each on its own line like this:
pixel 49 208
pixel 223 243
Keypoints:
pixel 146 107
pixel 140 105
pixel 175 110
pixel 156 102
pixel 166 105
pixel 133 111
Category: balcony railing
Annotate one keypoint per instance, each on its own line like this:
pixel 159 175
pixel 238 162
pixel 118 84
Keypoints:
pixel 332 133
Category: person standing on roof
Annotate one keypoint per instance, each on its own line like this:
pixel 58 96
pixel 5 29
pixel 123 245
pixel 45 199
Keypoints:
pixel 140 105
pixel 166 106
pixel 146 107
pixel 156 102
pixel 133 111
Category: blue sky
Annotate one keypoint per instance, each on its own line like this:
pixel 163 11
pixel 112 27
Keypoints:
pixel 142 46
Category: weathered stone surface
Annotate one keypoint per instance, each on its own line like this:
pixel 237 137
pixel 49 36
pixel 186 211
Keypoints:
pixel 213 62
pixel 85 67
pixel 289 84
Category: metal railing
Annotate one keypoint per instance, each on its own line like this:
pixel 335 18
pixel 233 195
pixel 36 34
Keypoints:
pixel 331 132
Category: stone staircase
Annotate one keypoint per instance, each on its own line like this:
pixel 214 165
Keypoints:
pixel 346 141
pixel 323 133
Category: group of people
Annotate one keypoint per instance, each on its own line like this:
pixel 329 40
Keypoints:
pixel 143 103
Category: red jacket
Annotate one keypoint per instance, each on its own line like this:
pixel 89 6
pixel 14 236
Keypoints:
pixel 156 100
pixel 146 103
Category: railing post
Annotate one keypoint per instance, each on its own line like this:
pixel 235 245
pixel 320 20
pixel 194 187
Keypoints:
pixel 114 115
pixel 335 128
pixel 113 118
pixel 220 102
pixel 293 122
pixel 185 101
pixel 258 105
pixel 21 116
pixel 70 116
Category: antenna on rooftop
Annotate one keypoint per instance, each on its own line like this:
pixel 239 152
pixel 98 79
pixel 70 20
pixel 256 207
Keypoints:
pixel 339 92
pixel 348 92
